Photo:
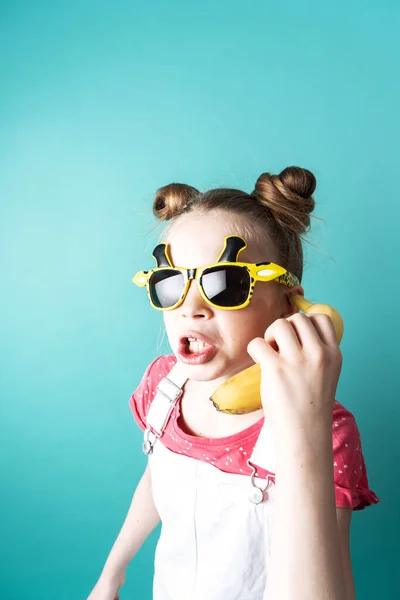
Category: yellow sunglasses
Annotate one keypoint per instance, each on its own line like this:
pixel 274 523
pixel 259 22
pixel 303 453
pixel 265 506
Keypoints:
pixel 226 284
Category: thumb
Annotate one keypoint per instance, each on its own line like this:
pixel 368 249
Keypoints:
pixel 260 351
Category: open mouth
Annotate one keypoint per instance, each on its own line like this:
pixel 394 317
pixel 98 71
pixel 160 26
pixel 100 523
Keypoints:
pixel 194 350
pixel 195 346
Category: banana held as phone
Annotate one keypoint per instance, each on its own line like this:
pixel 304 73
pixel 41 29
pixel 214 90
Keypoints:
pixel 241 393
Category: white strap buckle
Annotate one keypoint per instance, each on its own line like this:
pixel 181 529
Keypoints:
pixel 258 492
pixel 169 389
pixel 148 444
pixel 161 407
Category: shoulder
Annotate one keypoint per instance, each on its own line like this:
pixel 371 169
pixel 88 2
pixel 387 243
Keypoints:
pixel 350 473
pixel 141 398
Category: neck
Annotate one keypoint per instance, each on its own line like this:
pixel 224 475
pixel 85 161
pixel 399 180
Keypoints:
pixel 198 415
pixel 203 389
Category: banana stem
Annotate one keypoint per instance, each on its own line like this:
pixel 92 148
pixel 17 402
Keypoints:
pixel 301 302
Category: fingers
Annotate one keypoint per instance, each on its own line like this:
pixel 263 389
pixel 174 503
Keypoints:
pixel 283 337
pixel 260 351
pixel 315 328
pixel 292 335
pixel 280 337
pixel 306 332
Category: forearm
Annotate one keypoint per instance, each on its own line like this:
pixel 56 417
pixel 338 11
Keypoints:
pixel 306 561
pixel 141 520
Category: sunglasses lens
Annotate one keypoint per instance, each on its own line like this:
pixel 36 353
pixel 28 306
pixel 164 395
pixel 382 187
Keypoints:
pixel 226 286
pixel 166 287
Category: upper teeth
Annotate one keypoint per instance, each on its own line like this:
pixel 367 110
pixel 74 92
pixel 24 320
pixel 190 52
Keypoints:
pixel 195 345
pixel 196 341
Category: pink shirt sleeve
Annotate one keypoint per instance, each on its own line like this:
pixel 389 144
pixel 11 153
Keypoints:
pixel 350 474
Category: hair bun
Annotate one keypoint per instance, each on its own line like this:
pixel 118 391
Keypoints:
pixel 289 197
pixel 171 199
pixel 299 181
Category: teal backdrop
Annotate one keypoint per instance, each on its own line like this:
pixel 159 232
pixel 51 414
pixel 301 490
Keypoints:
pixel 101 103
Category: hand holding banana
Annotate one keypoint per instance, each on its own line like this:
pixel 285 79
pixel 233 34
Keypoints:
pixel 241 393
pixel 300 364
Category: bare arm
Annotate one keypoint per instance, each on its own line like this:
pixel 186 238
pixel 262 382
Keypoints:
pixel 344 521
pixel 141 520
pixel 309 556
pixel 300 364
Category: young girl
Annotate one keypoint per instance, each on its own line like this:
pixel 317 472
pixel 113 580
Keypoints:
pixel 236 525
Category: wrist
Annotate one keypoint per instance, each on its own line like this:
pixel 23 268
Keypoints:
pixel 113 576
pixel 306 445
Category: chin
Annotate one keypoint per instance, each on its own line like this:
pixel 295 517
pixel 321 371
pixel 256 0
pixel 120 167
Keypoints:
pixel 211 371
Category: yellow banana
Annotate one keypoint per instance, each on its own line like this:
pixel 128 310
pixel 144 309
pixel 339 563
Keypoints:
pixel 240 394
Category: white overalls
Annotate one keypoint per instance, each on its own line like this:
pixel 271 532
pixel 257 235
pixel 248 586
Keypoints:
pixel 216 527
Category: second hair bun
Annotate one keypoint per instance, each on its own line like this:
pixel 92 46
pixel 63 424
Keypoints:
pixel 288 196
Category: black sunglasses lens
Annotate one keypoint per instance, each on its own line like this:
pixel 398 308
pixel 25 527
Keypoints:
pixel 226 286
pixel 166 287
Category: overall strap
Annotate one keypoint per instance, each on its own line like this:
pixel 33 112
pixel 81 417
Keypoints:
pixel 263 454
pixel 169 390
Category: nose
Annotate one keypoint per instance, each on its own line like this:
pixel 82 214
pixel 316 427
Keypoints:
pixel 194 306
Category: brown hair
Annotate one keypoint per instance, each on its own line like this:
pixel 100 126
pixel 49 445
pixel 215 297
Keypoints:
pixel 280 205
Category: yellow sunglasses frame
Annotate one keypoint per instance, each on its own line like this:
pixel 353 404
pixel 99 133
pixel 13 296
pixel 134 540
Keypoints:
pixel 266 271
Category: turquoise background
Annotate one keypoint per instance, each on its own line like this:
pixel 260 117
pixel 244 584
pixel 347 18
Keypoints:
pixel 100 104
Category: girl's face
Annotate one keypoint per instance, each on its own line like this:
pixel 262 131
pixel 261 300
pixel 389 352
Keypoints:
pixel 197 240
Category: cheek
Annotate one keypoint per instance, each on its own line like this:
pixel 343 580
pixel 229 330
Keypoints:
pixel 267 302
pixel 255 318
pixel 244 327
pixel 169 322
